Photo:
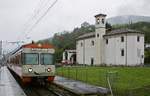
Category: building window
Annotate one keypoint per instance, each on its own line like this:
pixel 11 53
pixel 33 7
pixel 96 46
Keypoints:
pixel 92 43
pixel 92 61
pixel 98 21
pixel 122 39
pixel 138 38
pixel 106 41
pixel 122 52
pixel 103 21
pixel 97 35
pixel 81 44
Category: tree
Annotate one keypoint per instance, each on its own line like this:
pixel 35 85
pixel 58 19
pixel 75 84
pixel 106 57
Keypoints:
pixel 108 26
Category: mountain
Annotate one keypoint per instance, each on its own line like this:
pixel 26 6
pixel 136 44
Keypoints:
pixel 127 19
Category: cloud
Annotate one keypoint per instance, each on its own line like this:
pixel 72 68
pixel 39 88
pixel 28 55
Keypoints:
pixel 65 15
pixel 134 7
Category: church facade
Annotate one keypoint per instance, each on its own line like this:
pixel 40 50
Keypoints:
pixel 117 47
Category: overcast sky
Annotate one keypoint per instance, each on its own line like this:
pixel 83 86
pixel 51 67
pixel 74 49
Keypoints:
pixel 15 15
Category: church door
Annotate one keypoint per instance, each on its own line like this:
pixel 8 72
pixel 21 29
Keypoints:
pixel 92 61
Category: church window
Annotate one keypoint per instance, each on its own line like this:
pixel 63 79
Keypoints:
pixel 122 39
pixel 81 44
pixel 106 41
pixel 138 38
pixel 98 21
pixel 97 35
pixel 122 52
pixel 103 21
pixel 92 61
pixel 92 43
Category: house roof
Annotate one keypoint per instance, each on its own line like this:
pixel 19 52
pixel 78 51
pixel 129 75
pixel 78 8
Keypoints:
pixel 109 33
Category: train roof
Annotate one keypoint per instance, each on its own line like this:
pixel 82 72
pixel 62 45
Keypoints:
pixel 39 45
pixel 34 45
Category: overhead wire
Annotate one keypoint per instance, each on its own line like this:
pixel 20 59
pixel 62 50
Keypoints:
pixel 31 20
pixel 40 11
pixel 41 17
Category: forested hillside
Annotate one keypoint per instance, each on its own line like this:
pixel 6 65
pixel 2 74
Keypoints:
pixel 67 40
pixel 125 19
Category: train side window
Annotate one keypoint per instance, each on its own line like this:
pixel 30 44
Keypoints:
pixel 22 58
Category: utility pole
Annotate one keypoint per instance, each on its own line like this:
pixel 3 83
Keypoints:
pixel 0 48
pixel 0 53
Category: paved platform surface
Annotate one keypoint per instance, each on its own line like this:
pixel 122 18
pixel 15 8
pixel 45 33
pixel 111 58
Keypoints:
pixel 8 85
pixel 79 88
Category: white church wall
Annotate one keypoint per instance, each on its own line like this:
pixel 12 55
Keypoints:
pixel 90 51
pixel 79 50
pixel 113 51
pixel 86 52
pixel 131 48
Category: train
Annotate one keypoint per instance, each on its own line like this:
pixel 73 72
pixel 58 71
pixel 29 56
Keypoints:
pixel 33 61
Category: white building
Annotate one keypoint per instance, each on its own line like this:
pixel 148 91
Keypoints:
pixel 147 46
pixel 69 57
pixel 117 47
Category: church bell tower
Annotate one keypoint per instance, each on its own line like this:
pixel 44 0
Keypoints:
pixel 100 31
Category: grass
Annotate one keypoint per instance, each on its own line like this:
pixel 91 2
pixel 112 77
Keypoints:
pixel 124 80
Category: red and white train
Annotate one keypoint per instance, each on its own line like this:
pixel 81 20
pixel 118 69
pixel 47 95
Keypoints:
pixel 33 61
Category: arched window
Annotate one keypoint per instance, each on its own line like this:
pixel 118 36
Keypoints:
pixel 138 38
pixel 98 21
pixel 97 35
pixel 122 39
pixel 122 52
pixel 81 44
pixel 92 42
pixel 103 21
pixel 106 41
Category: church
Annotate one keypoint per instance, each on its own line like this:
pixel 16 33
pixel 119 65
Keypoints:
pixel 117 47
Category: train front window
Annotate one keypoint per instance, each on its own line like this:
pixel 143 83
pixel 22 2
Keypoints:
pixel 46 58
pixel 31 58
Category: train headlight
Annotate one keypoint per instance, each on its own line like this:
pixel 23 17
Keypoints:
pixel 49 69
pixel 30 69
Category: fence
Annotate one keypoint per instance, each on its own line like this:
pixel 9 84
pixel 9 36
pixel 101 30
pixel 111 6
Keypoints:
pixel 99 76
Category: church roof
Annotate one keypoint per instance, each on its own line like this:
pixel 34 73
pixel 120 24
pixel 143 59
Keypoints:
pixel 87 35
pixel 109 33
pixel 122 31
pixel 100 15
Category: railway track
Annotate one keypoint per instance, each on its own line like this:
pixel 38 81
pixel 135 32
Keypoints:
pixel 36 90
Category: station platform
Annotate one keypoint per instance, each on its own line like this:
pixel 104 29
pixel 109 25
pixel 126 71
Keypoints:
pixel 8 85
pixel 80 88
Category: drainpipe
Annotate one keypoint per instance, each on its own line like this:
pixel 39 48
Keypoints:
pixel 126 51
pixel 83 51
